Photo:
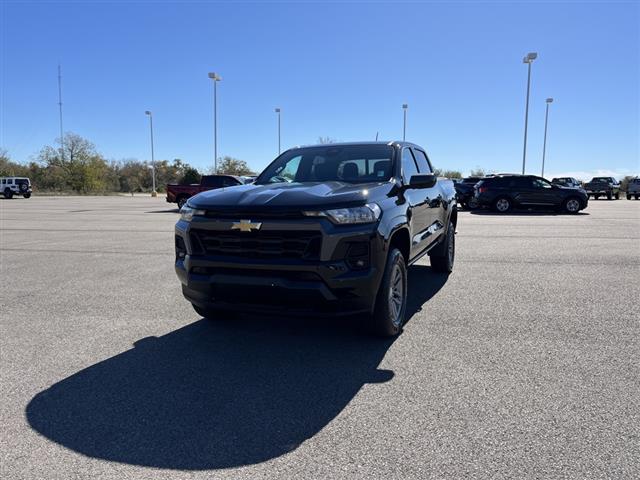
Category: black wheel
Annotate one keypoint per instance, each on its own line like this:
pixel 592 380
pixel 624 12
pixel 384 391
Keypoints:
pixel 391 302
pixel 27 195
pixel 444 254
pixel 8 193
pixel 628 196
pixel 618 196
pixel 596 197
pixel 571 205
pixel 472 204
pixel 502 205
pixel 609 196
pixel 182 201
pixel 637 197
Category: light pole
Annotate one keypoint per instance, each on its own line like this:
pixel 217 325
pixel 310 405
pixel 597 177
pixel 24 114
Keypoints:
pixel 153 160
pixel 216 78
pixel 278 112
pixel 404 128
pixel 544 145
pixel 528 60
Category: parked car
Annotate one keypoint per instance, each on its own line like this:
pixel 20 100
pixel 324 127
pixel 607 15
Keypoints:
pixel 11 186
pixel 465 193
pixel 326 229
pixel 567 182
pixel 603 186
pixel 506 192
pixel 633 188
pixel 181 193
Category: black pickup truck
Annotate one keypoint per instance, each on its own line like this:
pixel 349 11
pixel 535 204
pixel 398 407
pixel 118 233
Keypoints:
pixel 606 186
pixel 327 229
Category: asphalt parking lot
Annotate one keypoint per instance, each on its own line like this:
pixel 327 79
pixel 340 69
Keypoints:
pixel 524 363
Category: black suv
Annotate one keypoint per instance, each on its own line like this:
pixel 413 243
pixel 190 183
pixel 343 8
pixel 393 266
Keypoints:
pixel 505 192
pixel 465 192
pixel 324 229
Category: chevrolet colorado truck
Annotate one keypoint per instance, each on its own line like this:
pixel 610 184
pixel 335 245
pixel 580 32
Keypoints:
pixel 326 229
pixel 605 186
pixel 181 193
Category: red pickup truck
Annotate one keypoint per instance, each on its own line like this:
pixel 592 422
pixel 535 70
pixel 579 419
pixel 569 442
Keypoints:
pixel 180 193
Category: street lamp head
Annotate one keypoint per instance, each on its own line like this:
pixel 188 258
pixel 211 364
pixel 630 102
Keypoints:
pixel 549 100
pixel 147 112
pixel 405 106
pixel 531 56
pixel 214 76
pixel 277 110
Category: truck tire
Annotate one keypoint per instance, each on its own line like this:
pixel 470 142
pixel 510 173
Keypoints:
pixel 609 196
pixel 637 197
pixel 596 197
pixel 8 193
pixel 628 196
pixel 471 204
pixel 618 196
pixel 181 201
pixel 502 204
pixel 444 254
pixel 27 195
pixel 391 301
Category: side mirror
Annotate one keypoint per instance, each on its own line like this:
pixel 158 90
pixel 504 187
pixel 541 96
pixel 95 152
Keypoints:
pixel 423 181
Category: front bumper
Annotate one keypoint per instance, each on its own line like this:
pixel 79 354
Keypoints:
pixel 324 285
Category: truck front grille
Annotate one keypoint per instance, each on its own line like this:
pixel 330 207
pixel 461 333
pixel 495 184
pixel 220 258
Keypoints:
pixel 287 244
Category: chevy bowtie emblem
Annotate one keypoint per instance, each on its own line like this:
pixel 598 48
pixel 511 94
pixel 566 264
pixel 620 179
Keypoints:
pixel 246 225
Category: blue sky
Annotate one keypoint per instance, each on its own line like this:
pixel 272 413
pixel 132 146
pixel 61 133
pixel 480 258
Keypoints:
pixel 335 69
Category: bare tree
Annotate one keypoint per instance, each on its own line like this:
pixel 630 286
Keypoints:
pixel 325 140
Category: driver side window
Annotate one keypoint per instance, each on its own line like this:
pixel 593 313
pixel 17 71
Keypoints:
pixel 409 167
pixel 539 183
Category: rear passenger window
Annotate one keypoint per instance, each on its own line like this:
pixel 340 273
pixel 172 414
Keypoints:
pixel 423 163
pixel 409 167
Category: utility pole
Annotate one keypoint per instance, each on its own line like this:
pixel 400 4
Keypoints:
pixel 528 60
pixel 278 112
pixel 544 145
pixel 404 128
pixel 60 108
pixel 216 78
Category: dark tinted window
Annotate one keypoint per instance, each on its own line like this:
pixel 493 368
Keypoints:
pixel 212 181
pixel 409 167
pixel 229 182
pixel 423 163
pixel 331 163
pixel 520 182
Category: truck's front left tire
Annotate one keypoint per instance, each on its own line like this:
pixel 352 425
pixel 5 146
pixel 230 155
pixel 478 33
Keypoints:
pixel 443 255
pixel 391 301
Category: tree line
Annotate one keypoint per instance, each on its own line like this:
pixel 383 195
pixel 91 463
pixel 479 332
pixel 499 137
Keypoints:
pixel 79 168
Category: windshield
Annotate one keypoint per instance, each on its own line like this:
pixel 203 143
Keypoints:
pixel 326 163
pixel 601 179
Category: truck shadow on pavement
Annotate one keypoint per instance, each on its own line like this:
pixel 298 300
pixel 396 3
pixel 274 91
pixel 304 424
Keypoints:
pixel 218 394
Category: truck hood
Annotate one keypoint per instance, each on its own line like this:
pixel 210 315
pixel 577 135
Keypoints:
pixel 292 195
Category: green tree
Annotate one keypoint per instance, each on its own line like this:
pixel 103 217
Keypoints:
pixel 190 175
pixel 477 172
pixel 448 173
pixel 624 183
pixel 233 166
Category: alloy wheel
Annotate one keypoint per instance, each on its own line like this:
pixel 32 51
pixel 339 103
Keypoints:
pixel 396 295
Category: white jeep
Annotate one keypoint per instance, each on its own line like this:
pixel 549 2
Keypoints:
pixel 11 186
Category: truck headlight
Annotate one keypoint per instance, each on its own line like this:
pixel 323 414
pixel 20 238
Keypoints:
pixel 347 216
pixel 187 213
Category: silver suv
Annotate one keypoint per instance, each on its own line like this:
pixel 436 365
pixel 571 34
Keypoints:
pixel 11 186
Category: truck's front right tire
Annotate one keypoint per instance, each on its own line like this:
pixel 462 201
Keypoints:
pixel 8 193
pixel 181 201
pixel 391 301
